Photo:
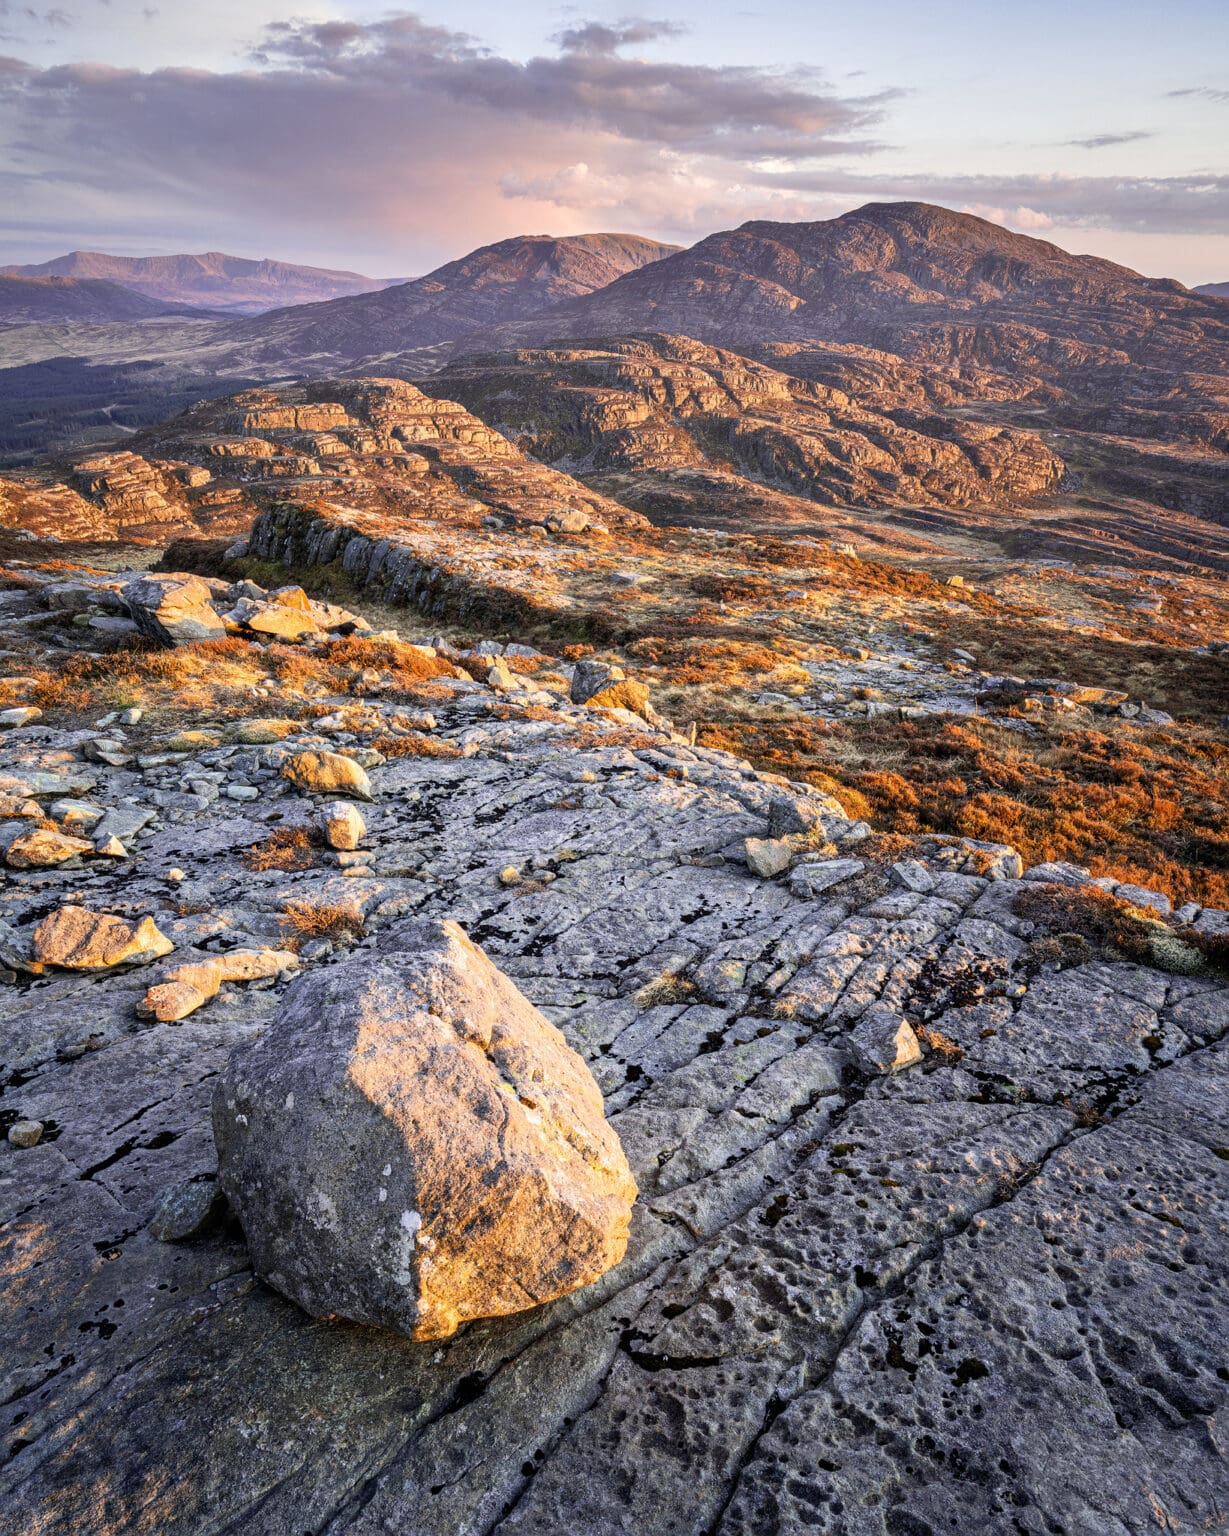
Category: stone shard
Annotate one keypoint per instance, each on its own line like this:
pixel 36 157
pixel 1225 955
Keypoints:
pixel 327 773
pixel 80 940
pixel 884 1041
pixel 412 1144
pixel 768 857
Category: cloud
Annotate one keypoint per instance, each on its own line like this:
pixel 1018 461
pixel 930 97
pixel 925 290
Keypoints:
pixel 1147 204
pixel 412 131
pixel 1203 92
pixel 1105 140
pixel 594 37
pixel 405 143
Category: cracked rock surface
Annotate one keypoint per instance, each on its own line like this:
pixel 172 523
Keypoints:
pixel 982 1293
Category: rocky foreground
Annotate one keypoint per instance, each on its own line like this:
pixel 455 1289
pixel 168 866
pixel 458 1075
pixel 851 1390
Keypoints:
pixel 931 1233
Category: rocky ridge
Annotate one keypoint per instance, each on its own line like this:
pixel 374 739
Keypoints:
pixel 932 1191
pixel 213 468
pixel 661 404
pixel 28 300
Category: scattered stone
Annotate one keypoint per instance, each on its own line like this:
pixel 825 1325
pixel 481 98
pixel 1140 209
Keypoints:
pixel 412 1144
pixel 26 1133
pixel 26 715
pixel 343 825
pixel 1141 896
pixel 173 609
pixel 807 880
pixel 188 987
pixel 913 876
pixel 105 750
pixel 76 939
pixel 510 875
pixel 768 857
pixel 41 848
pixel 77 813
pixel 327 773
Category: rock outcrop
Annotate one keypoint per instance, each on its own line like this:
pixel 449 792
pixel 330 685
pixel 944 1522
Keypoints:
pixel 659 404
pixel 413 1145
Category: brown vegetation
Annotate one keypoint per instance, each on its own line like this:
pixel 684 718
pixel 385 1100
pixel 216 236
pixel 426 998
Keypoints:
pixel 307 920
pixel 1144 805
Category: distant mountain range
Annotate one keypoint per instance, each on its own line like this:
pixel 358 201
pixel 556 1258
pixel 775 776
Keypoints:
pixel 909 278
pixel 1217 290
pixel 55 300
pixel 211 280
pixel 497 284
pixel 922 307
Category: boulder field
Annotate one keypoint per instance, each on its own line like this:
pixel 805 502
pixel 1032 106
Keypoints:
pixel 932 1214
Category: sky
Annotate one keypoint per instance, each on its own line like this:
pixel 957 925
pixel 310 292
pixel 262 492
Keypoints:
pixel 388 141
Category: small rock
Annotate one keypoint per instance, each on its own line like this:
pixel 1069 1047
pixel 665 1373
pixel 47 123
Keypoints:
pixel 26 715
pixel 885 1042
pixel 1141 896
pixel 793 814
pixel 77 939
pixel 510 875
pixel 343 825
pixel 768 857
pixel 913 875
pixel 26 1133
pixel 327 773
pixel 42 848
pixel 173 609
pixel 106 750
pixel 808 880
pixel 187 1210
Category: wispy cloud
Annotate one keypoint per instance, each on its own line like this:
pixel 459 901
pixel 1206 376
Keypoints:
pixel 1107 140
pixel 1203 92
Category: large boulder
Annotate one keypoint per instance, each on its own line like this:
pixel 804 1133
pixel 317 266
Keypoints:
pixel 173 609
pixel 412 1144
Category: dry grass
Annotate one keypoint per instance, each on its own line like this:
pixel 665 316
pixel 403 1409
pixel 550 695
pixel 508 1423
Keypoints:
pixel 288 848
pixel 1082 923
pixel 414 744
pixel 1146 806
pixel 306 920
pixel 217 676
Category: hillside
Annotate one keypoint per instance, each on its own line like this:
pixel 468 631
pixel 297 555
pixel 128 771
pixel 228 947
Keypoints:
pixel 1217 290
pixel 940 289
pixel 494 285
pixel 931 1175
pixel 211 279
pixel 54 300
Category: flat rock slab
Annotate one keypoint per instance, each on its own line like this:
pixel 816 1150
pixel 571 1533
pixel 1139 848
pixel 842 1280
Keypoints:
pixel 986 1293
